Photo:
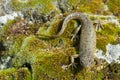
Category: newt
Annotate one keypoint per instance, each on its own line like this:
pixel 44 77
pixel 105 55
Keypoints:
pixel 87 44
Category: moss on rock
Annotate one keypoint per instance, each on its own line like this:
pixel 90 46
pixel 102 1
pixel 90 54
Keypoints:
pixel 40 4
pixel 35 58
pixel 7 74
pixel 14 32
pixel 86 74
pixel 53 28
pixel 107 35
pixel 13 74
pixel 46 61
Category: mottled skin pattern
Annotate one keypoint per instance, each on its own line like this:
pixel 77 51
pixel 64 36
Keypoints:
pixel 87 40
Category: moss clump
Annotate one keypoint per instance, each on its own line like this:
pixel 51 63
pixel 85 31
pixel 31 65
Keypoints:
pixel 91 6
pixel 107 35
pixel 112 71
pixel 46 60
pixel 73 3
pixel 13 74
pixel 29 47
pixel 114 6
pixel 14 32
pixel 5 30
pixel 15 46
pixel 7 74
pixel 40 4
pixel 103 40
pixel 54 27
pixel 48 65
pixel 23 74
pixel 8 39
pixel 110 29
pixel 70 29
pixel 49 29
pixel 88 75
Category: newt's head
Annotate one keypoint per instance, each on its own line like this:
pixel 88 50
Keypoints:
pixel 87 60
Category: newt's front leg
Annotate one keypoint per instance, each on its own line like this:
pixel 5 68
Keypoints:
pixel 76 32
pixel 73 64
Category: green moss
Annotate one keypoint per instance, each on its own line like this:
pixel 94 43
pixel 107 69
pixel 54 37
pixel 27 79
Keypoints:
pixel 54 28
pixel 93 18
pixel 6 28
pixel 48 65
pixel 40 4
pixel 13 74
pixel 68 31
pixel 114 6
pixel 89 75
pixel 46 60
pixel 99 75
pixel 107 35
pixel 110 29
pixel 30 46
pixel 70 28
pixel 7 74
pixel 85 75
pixel 23 74
pixel 14 32
pixel 73 3
pixel 91 6
pixel 50 28
pixel 103 40
pixel 16 45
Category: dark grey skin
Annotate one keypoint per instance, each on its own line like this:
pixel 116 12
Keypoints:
pixel 87 45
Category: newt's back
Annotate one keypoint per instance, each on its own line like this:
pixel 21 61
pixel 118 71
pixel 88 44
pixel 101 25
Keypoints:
pixel 87 40
pixel 87 44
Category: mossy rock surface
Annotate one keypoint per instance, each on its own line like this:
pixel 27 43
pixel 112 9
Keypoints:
pixel 45 60
pixel 37 58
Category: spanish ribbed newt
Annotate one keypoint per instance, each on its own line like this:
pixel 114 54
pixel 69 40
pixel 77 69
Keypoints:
pixel 87 44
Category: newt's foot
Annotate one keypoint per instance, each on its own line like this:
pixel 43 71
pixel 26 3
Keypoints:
pixel 76 32
pixel 73 65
